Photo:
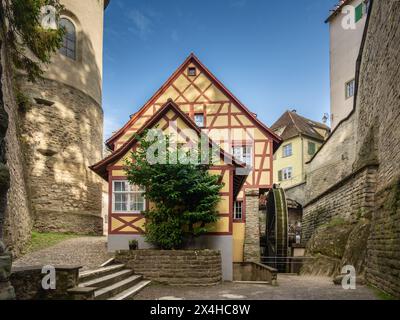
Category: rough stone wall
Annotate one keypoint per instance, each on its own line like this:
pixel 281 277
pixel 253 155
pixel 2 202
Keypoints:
pixel 175 267
pixel 335 157
pixel 350 199
pixel 28 283
pixel 378 138
pixel 297 193
pixel 18 218
pixel 62 135
pixel 251 251
pixel 373 245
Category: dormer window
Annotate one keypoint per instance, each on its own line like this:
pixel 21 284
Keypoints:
pixel 192 71
pixel 199 119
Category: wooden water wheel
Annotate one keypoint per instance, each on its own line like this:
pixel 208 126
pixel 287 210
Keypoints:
pixel 277 241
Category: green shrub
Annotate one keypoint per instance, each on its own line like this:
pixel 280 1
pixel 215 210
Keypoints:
pixel 185 196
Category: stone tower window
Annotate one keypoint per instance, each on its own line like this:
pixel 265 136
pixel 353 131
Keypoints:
pixel 68 47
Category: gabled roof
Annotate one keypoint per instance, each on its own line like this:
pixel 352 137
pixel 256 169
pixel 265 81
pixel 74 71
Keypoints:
pixel 193 59
pixel 291 124
pixel 101 167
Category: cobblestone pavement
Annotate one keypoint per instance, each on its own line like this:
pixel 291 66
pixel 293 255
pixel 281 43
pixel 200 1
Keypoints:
pixel 290 287
pixel 88 252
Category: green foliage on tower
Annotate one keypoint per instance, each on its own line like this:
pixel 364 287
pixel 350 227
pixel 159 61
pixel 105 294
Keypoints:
pixel 29 42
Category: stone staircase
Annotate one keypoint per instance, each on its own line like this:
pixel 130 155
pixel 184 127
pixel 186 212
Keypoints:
pixel 114 282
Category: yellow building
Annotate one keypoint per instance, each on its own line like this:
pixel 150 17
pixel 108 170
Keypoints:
pixel 195 99
pixel 302 138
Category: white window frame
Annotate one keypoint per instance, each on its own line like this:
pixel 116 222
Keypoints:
pixel 349 93
pixel 236 208
pixel 287 173
pixel 286 147
pixel 243 153
pixel 128 192
pixel 201 125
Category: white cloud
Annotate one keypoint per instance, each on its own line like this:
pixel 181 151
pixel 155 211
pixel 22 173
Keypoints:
pixel 142 24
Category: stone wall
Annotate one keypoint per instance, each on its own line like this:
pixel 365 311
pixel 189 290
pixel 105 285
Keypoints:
pixel 378 138
pixel 350 199
pixel 369 200
pixel 251 250
pixel 62 133
pixel 332 162
pixel 175 267
pixel 297 193
pixel 27 282
pixel 18 217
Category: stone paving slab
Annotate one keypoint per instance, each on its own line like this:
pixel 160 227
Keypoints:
pixel 290 287
pixel 88 252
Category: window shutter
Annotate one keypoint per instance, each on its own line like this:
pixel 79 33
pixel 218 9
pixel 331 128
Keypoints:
pixel 359 12
pixel 280 175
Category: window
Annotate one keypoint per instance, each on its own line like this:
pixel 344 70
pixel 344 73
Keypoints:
pixel 285 174
pixel 238 210
pixel 244 154
pixel 128 198
pixel 350 89
pixel 311 148
pixel 287 150
pixel 192 71
pixel 68 47
pixel 199 119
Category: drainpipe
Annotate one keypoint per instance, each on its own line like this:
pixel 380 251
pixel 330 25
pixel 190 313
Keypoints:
pixel 302 158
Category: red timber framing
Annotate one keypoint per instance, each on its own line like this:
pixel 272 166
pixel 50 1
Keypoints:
pixel 223 114
pixel 106 167
pixel 202 98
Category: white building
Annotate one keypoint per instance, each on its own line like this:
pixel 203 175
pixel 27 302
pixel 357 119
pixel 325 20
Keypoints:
pixel 346 22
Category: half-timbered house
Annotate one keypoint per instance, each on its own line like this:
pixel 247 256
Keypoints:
pixel 194 98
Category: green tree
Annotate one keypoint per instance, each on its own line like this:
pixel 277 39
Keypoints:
pixel 184 195
pixel 29 44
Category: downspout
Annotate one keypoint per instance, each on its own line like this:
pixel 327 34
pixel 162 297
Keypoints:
pixel 302 158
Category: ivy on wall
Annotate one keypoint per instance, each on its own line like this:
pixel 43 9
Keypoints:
pixel 28 42
pixel 28 45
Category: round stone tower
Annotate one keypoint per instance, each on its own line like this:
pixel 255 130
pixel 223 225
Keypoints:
pixel 62 127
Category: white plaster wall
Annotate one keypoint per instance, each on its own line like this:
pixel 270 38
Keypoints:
pixel 344 50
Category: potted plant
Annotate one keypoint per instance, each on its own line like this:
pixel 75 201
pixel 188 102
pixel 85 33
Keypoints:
pixel 133 245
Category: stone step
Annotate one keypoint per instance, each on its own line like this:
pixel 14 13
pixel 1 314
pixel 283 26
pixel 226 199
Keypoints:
pixel 129 293
pixel 107 280
pixel 116 288
pixel 92 274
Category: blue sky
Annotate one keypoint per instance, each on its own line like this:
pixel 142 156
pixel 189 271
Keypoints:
pixel 273 55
